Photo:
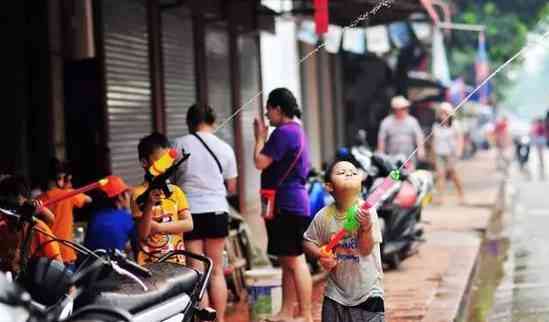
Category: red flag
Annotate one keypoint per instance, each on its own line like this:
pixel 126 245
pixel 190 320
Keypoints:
pixel 321 16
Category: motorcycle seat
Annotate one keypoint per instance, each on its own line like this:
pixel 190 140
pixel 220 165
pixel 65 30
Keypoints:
pixel 168 280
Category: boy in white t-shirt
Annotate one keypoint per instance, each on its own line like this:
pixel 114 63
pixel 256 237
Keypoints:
pixel 354 290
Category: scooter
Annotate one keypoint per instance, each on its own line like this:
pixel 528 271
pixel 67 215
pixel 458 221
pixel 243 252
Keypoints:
pixel 400 210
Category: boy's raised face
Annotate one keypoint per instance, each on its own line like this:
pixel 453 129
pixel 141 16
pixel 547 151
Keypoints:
pixel 345 177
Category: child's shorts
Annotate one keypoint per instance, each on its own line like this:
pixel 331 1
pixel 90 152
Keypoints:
pixel 370 311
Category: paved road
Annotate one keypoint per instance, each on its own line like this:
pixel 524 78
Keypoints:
pixel 524 292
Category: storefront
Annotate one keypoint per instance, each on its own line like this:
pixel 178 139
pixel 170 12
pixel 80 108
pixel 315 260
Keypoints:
pixel 160 58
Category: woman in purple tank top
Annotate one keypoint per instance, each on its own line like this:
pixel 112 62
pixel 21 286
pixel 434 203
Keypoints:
pixel 284 163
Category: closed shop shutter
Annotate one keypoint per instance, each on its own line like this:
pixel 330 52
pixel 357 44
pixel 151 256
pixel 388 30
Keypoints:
pixel 128 84
pixel 218 78
pixel 179 72
pixel 249 81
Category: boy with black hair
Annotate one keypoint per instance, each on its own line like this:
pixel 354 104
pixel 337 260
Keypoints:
pixel 354 290
pixel 111 225
pixel 14 194
pixel 163 219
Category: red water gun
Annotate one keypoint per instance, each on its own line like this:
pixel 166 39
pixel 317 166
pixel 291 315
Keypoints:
pixel 72 193
pixel 158 167
pixel 351 223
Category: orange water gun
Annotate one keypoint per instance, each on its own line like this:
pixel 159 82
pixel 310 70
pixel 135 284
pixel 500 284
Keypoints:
pixel 161 165
pixel 164 168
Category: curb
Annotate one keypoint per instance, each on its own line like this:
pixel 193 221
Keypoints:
pixel 453 296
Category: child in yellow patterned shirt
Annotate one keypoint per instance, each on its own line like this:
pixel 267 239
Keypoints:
pixel 163 219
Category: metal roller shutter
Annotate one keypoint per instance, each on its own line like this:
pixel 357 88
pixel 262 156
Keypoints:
pixel 218 78
pixel 128 84
pixel 179 73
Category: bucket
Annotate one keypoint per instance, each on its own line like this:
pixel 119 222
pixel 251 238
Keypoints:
pixel 264 292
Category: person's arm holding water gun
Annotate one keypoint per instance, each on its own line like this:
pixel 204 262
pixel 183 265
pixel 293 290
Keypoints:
pixel 147 226
pixel 43 213
pixel 366 238
pixel 327 261
pixel 315 236
pixel 353 222
pixel 185 221
pixel 145 218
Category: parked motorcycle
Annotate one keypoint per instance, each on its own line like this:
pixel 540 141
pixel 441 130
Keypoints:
pixel 400 208
pixel 15 303
pixel 108 286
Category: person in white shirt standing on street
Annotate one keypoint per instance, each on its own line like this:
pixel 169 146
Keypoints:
pixel 206 178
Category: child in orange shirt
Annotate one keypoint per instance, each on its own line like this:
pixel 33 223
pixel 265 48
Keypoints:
pixel 14 192
pixel 63 225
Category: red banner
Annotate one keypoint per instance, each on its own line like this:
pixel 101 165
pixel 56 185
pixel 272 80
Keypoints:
pixel 321 16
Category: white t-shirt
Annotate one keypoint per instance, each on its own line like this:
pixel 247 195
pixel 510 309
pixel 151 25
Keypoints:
pixel 199 177
pixel 356 277
pixel 401 136
pixel 446 139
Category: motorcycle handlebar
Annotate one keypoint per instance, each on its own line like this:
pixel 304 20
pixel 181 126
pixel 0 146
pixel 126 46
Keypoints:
pixel 130 265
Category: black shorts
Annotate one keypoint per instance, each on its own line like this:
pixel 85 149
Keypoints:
pixel 285 234
pixel 372 310
pixel 209 225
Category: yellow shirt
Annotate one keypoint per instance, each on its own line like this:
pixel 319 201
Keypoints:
pixel 170 209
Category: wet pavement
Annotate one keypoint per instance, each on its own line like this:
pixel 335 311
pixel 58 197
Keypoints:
pixel 517 262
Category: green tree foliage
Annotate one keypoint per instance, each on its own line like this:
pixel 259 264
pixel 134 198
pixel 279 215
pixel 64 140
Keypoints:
pixel 507 24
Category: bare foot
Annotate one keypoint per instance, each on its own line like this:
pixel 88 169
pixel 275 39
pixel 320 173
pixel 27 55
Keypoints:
pixel 280 318
pixel 302 319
